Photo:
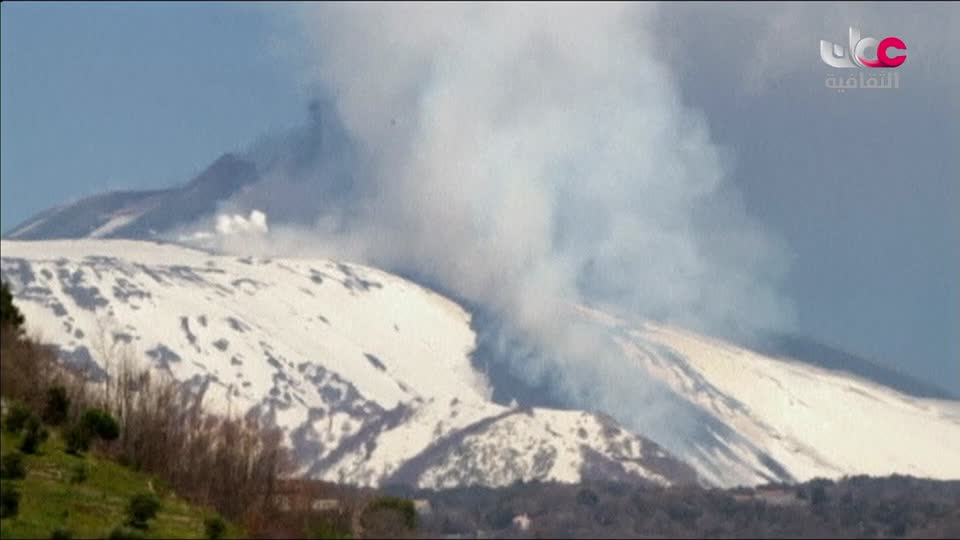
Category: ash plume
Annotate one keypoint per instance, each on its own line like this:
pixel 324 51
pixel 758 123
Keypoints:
pixel 525 160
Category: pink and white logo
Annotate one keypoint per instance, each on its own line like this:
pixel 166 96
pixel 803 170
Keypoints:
pixel 890 52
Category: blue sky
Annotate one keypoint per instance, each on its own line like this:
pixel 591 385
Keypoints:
pixel 864 189
pixel 115 95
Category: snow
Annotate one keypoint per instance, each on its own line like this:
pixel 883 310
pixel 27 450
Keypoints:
pixel 115 222
pixel 40 220
pixel 813 421
pixel 368 374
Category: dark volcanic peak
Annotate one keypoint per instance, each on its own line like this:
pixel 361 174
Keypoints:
pixel 82 218
pixel 310 168
pixel 141 214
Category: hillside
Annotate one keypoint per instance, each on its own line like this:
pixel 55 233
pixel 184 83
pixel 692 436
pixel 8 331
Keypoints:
pixel 855 507
pixel 372 380
pixel 781 419
pixel 368 374
pixel 53 497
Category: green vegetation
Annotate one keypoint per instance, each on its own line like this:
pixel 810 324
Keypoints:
pixel 11 466
pixel 853 507
pixel 332 527
pixel 16 418
pixel 93 423
pixel 10 315
pixel 392 517
pixel 57 406
pixel 142 508
pixel 78 473
pixel 54 497
pixel 125 533
pixel 61 534
pixel 34 434
pixel 85 461
pixel 101 424
pixel 403 507
pixel 215 527
pixel 9 500
pixel 76 440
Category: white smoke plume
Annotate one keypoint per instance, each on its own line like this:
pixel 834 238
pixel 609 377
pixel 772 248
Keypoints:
pixel 525 153
pixel 229 232
pixel 237 224
pixel 529 158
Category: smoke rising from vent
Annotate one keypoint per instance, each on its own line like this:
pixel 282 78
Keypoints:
pixel 237 224
pixel 528 160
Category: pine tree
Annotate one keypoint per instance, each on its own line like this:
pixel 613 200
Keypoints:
pixel 9 313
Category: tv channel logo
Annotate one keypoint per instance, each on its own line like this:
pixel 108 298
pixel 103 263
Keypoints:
pixel 890 52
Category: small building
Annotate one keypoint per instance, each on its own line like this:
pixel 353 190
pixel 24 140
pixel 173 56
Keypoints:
pixel 522 522
pixel 422 506
pixel 323 505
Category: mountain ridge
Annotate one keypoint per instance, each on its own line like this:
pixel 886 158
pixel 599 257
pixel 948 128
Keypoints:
pixel 365 371
pixel 371 378
pixel 143 214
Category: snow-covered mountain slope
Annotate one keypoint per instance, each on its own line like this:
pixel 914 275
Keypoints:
pixel 769 418
pixel 368 374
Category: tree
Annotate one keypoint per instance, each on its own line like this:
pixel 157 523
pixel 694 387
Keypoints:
pixel 34 435
pixel 57 406
pixel 17 417
pixel 818 496
pixel 215 527
pixel 93 423
pixel 99 422
pixel 587 497
pixel 9 313
pixel 388 516
pixel 123 533
pixel 11 466
pixel 77 439
pixel 78 473
pixel 9 500
pixel 61 533
pixel 142 508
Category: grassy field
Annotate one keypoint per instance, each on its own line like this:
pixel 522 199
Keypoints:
pixel 52 499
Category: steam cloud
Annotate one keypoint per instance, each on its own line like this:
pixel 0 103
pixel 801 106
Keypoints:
pixel 238 228
pixel 237 224
pixel 527 160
